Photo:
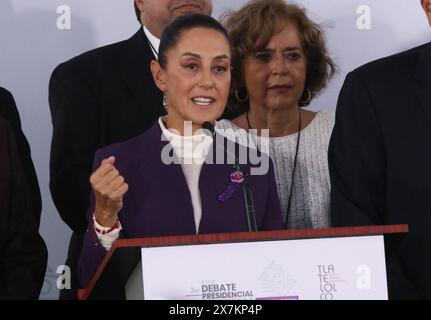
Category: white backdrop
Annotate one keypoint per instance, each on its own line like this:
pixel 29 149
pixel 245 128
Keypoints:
pixel 33 41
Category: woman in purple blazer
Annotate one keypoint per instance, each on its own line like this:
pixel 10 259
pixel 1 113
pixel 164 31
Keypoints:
pixel 177 178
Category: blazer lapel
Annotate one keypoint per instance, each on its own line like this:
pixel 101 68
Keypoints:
pixel 214 180
pixel 423 76
pixel 172 191
pixel 134 68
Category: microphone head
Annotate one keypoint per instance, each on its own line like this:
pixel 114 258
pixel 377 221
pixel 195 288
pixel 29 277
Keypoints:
pixel 208 128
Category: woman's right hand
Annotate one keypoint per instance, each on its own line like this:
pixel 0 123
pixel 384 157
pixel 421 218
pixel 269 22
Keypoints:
pixel 109 188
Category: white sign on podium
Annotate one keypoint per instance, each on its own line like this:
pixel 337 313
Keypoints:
pixel 310 269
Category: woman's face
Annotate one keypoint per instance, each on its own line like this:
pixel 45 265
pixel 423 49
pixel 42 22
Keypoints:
pixel 275 76
pixel 196 78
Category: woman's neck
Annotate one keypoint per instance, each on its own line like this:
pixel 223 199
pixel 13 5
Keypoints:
pixel 280 122
pixel 182 128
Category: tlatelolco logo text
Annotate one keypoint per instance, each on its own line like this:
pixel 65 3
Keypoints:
pixel 329 279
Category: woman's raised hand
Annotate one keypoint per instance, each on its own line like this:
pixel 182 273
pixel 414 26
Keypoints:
pixel 109 187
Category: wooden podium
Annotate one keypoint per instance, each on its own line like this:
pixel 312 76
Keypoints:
pixel 115 271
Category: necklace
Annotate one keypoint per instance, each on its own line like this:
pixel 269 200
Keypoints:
pixel 289 201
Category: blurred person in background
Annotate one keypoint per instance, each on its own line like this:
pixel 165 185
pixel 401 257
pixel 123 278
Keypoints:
pixel 23 254
pixel 380 156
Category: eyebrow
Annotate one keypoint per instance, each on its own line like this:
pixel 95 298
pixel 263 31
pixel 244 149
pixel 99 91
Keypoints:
pixel 222 56
pixel 195 55
pixel 285 49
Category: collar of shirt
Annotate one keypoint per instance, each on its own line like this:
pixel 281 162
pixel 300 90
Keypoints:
pixel 155 42
pixel 195 147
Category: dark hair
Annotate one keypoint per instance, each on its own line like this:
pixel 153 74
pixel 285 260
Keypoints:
pixel 252 27
pixel 138 13
pixel 173 31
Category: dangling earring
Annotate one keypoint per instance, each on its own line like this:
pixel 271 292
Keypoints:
pixel 239 99
pixel 306 101
pixel 165 101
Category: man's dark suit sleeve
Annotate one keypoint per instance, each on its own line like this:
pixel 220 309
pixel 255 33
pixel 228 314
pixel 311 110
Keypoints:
pixel 357 166
pixel 75 119
pixel 25 255
pixel 9 111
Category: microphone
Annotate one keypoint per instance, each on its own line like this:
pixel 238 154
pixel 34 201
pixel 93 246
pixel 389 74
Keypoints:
pixel 208 128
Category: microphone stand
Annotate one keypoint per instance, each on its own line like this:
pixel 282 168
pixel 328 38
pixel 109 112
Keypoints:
pixel 248 195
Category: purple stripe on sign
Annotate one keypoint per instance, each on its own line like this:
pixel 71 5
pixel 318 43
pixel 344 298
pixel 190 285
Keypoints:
pixel 280 298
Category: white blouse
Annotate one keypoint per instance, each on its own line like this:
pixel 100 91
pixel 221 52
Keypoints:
pixel 192 152
pixel 311 188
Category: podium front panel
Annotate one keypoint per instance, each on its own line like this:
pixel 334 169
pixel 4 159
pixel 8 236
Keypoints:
pixel 304 269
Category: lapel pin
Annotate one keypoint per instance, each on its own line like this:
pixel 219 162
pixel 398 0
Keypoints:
pixel 236 178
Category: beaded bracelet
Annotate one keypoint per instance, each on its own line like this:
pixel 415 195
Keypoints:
pixel 115 226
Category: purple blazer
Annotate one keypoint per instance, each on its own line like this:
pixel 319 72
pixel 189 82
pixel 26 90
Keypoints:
pixel 158 202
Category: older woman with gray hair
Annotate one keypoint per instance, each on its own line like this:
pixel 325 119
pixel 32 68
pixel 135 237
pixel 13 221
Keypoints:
pixel 280 63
